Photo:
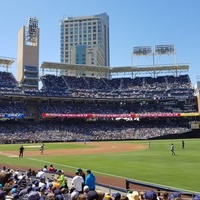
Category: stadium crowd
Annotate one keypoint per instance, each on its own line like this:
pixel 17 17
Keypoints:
pixel 153 92
pixel 139 87
pixel 68 86
pixel 77 130
pixel 49 183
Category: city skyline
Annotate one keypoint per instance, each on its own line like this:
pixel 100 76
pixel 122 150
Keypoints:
pixel 133 23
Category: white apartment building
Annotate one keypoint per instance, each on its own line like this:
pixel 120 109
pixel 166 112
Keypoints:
pixel 85 40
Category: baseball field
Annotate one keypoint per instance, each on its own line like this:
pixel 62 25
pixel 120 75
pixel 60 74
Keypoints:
pixel 116 161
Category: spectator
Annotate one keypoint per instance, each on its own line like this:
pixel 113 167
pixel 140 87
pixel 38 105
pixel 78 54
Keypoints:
pixel 90 180
pixel 150 195
pixel 197 197
pixel 165 196
pixel 133 196
pixel 77 182
pixel 61 179
pixel 51 168
pixel 175 196
pixel 90 194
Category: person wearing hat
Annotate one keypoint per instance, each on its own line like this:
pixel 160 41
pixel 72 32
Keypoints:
pixel 90 180
pixel 197 197
pixel 175 196
pixel 116 196
pixel 150 195
pixel 77 182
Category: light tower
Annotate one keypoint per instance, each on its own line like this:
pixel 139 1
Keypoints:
pixel 6 62
pixel 32 32
pixel 153 54
pixel 28 55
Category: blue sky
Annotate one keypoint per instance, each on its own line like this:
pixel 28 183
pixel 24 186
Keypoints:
pixel 132 23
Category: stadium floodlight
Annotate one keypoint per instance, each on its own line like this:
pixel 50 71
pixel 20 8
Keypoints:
pixel 32 30
pixel 164 49
pixel 142 50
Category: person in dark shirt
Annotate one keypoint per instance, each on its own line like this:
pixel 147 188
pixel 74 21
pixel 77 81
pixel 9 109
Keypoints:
pixel 21 152
pixel 183 144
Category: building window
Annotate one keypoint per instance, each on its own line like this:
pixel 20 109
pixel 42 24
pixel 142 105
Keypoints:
pixel 76 30
pixel 84 29
pixel 71 30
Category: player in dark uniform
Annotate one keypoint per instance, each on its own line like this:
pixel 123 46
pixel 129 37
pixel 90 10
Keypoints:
pixel 21 152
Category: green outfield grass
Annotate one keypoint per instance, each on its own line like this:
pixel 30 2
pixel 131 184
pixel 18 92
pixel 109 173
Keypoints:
pixel 154 165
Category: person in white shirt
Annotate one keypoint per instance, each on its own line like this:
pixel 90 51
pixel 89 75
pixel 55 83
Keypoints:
pixel 77 182
pixel 45 169
pixel 40 174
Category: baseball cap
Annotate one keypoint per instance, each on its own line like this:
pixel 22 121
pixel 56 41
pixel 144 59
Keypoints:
pixel 174 195
pixel 116 195
pixel 151 195
pixel 197 197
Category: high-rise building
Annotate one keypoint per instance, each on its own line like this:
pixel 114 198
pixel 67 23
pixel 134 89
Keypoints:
pixel 85 40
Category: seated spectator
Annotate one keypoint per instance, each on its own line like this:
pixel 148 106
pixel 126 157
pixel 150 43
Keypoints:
pixel 107 197
pixel 164 195
pixel 82 197
pixel 50 196
pixel 51 168
pixel 4 176
pixel 175 196
pixel 40 174
pixel 150 195
pixel 133 196
pixel 45 169
pixel 116 196
pixel 100 194
pixel 91 194
pixel 141 196
pixel 74 195
pixel 197 197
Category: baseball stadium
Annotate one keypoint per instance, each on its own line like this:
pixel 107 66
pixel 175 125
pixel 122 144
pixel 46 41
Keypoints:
pixel 119 122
